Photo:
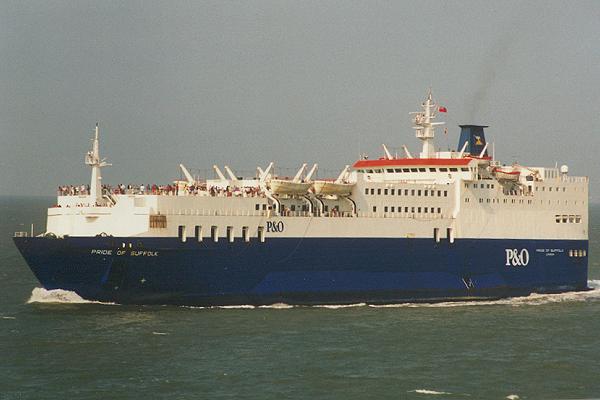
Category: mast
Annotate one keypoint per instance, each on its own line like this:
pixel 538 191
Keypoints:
pixel 424 126
pixel 92 158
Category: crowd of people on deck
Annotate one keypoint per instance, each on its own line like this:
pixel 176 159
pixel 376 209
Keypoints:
pixel 167 190
pixel 70 190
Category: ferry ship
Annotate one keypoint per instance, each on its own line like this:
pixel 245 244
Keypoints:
pixel 436 226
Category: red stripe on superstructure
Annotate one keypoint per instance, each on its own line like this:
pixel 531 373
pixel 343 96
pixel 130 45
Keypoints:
pixel 411 161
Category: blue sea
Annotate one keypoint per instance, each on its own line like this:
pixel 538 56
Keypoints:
pixel 54 345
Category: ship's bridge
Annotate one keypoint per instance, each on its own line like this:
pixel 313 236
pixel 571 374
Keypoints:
pixel 438 170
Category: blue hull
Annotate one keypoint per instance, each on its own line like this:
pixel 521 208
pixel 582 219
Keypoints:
pixel 303 270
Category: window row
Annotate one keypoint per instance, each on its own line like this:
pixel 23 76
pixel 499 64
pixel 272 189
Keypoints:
pixel 421 169
pixel 481 185
pixel 557 189
pixel 496 200
pixel 577 253
pixel 407 192
pixel 567 219
pixel 418 210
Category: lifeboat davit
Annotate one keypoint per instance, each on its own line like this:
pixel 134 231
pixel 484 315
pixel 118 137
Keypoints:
pixel 295 186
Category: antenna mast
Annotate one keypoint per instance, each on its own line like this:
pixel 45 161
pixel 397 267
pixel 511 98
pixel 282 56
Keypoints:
pixel 92 158
pixel 424 126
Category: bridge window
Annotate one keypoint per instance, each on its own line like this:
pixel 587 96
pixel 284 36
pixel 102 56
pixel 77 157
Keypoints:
pixel 390 170
pixel 405 169
pixel 398 170
pixel 465 169
pixel 432 169
pixel 453 169
pixel 443 169
pixel 422 170
pixel 414 170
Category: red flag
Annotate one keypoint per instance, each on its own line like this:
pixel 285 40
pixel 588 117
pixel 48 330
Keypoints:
pixel 442 109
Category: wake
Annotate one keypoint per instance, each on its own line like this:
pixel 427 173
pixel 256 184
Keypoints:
pixel 60 296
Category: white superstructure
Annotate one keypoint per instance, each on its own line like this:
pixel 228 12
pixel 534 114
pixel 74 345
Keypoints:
pixel 440 195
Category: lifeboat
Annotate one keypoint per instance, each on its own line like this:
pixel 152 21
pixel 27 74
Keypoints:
pixel 332 188
pixel 338 187
pixel 503 174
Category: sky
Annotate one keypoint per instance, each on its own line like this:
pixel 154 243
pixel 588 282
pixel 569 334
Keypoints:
pixel 246 83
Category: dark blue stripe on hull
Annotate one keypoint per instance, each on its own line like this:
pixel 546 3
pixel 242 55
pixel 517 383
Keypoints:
pixel 301 271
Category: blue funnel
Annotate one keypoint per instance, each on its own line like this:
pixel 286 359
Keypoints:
pixel 475 136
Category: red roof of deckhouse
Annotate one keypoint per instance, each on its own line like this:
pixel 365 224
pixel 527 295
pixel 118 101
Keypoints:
pixel 401 162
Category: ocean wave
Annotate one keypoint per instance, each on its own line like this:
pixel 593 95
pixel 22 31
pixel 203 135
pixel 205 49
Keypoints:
pixel 427 391
pixel 59 296
pixel 534 299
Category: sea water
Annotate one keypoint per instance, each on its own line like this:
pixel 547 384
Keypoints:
pixel 56 345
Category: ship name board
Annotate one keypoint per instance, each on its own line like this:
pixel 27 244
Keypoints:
pixel 132 253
